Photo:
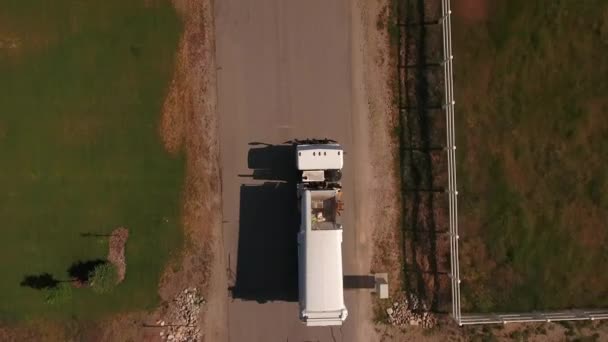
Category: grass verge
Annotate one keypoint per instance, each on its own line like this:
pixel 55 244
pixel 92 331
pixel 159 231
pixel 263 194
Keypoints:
pixel 530 84
pixel 81 92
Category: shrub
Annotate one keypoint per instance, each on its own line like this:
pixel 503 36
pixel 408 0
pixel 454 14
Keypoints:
pixel 103 278
pixel 59 294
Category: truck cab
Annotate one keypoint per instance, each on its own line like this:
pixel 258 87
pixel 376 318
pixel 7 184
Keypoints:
pixel 320 274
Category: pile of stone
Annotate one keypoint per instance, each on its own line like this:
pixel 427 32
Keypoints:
pixel 411 312
pixel 116 253
pixel 181 320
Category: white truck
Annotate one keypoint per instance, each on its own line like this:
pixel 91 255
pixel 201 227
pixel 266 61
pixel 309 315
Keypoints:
pixel 321 291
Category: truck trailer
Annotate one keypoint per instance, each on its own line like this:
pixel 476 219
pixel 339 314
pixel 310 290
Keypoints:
pixel 320 275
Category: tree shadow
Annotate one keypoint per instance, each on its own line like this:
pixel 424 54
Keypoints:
pixel 42 281
pixel 81 270
pixel 87 234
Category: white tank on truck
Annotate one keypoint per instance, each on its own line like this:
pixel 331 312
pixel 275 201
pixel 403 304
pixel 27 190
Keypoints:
pixel 321 291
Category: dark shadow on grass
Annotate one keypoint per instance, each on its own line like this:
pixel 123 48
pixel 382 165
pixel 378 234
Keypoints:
pixel 81 270
pixel 42 281
pixel 95 234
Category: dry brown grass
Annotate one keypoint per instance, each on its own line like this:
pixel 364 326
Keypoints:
pixel 531 137
pixel 472 10
pixel 173 120
pixel 189 124
pixel 380 63
pixel 195 129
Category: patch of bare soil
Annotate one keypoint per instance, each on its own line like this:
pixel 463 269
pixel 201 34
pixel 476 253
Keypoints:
pixel 373 122
pixel 380 63
pixel 116 253
pixel 471 10
pixel 14 45
pixel 10 46
pixel 9 43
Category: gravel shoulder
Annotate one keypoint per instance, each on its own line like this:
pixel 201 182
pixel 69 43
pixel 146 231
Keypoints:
pixel 378 75
pixel 374 119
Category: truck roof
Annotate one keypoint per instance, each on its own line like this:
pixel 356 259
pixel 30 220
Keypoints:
pixel 320 157
pixel 322 285
pixel 320 262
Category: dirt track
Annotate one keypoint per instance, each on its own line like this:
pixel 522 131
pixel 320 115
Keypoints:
pixel 281 76
pixel 284 76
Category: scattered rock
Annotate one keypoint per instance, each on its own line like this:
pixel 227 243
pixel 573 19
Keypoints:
pixel 411 311
pixel 182 317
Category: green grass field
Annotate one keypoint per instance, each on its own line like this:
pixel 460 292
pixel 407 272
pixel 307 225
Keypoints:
pixel 532 113
pixel 81 89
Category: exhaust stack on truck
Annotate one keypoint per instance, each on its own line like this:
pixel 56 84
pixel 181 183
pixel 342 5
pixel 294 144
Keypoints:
pixel 321 291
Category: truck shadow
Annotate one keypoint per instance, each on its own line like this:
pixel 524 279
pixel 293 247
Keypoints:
pixel 272 163
pixel 267 264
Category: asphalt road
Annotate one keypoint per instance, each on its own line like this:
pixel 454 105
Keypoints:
pixel 284 72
